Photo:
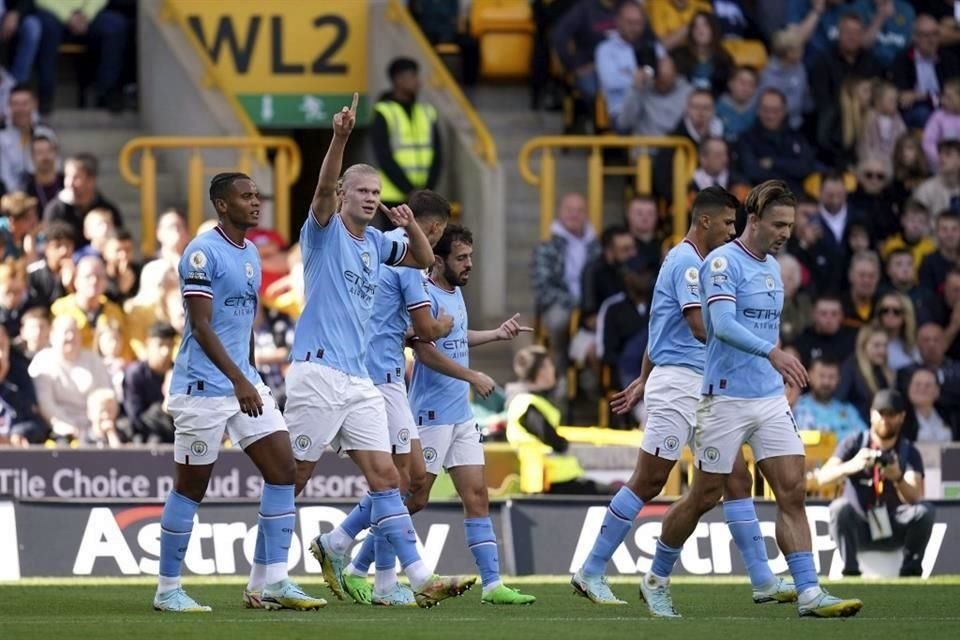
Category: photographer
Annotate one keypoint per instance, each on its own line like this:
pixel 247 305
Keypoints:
pixel 881 505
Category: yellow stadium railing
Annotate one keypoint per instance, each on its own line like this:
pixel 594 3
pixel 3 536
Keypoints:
pixel 684 164
pixel 441 78
pixel 286 169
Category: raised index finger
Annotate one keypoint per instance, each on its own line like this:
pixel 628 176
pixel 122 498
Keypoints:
pixel 356 99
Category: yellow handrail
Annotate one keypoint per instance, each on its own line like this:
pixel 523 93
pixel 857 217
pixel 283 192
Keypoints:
pixel 286 170
pixel 442 78
pixel 684 164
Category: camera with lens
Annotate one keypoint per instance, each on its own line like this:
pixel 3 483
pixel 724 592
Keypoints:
pixel 885 458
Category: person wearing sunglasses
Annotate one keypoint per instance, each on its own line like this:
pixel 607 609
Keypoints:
pixel 894 313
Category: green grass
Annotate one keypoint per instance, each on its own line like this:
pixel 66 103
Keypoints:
pixel 714 609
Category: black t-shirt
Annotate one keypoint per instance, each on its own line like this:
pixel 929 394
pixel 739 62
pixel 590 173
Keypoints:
pixel 860 488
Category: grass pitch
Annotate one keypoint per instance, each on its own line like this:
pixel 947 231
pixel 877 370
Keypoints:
pixel 714 609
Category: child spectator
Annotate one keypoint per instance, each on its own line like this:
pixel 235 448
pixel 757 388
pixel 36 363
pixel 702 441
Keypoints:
pixel 34 332
pixel 143 389
pixel 157 278
pixel 882 125
pixel 123 271
pixel 944 124
pixel 103 410
pixel 49 279
pixel 19 227
pixel 13 295
pixel 108 343
pixel 909 166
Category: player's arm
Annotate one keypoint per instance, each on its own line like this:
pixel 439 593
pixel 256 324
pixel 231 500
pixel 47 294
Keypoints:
pixel 723 320
pixel 418 254
pixel 426 327
pixel 200 312
pixel 693 314
pixel 324 201
pixel 506 331
pixel 253 359
pixel 430 356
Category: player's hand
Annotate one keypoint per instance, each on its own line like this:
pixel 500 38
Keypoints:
pixel 512 328
pixel 346 118
pixel 865 458
pixel 482 384
pixel 892 471
pixel 445 324
pixel 401 216
pixel 623 401
pixel 789 367
pixel 249 398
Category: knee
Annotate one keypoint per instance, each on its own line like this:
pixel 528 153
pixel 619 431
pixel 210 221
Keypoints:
pixel 383 477
pixel 739 485
pixel 706 497
pixel 475 502
pixel 302 472
pixel 647 484
pixel 926 513
pixel 841 509
pixel 417 501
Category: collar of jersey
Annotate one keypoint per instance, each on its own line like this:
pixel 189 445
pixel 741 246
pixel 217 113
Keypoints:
pixel 747 251
pixel 223 234
pixel 441 287
pixel 695 248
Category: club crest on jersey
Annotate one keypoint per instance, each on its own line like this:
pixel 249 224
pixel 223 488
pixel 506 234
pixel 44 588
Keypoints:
pixel 769 283
pixel 692 276
pixel 302 442
pixel 198 260
pixel 249 270
pixel 718 264
pixel 671 443
pixel 429 454
pixel 198 448
pixel 403 436
pixel 365 258
pixel 712 454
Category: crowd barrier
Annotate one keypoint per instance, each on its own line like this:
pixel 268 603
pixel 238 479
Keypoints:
pixel 542 536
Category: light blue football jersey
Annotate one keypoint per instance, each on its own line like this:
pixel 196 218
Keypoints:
pixel 677 289
pixel 732 272
pixel 214 266
pixel 434 397
pixel 340 272
pixel 400 291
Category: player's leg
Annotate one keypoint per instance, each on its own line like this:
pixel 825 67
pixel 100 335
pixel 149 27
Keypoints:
pixel 364 437
pixel 199 426
pixel 403 434
pixel 672 395
pixel 740 515
pixel 722 424
pixel 780 455
pixel 464 462
pixel 318 398
pixel 266 441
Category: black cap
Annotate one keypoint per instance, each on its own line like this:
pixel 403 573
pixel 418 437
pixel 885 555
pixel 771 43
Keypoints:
pixel 888 400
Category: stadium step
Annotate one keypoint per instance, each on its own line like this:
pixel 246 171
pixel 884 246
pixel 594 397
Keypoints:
pixel 103 134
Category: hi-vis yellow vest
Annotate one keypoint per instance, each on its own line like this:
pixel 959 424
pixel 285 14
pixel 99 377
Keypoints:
pixel 411 140
pixel 560 467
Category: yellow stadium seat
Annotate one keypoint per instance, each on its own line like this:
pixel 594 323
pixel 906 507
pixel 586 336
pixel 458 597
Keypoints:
pixel 747 53
pixel 504 30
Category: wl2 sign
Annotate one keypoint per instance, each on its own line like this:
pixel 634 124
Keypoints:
pixel 289 64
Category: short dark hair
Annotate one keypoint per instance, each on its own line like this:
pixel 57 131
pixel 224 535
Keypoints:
pixel 43 137
pixel 21 88
pixel 453 233
pixel 40 313
pixel 949 214
pixel 611 232
pixel 850 14
pixel 899 251
pixel 713 199
pixel 766 195
pixel 913 205
pixel 708 139
pixel 87 162
pixel 743 68
pixel 824 361
pixel 429 204
pixel 162 331
pixel 832 175
pixel 121 234
pixel 60 231
pixel 773 91
pixel 402 65
pixel 220 184
pixel 948 144
pixel 828 297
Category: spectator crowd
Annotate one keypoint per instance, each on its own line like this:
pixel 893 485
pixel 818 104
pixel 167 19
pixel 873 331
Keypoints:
pixel 856 104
